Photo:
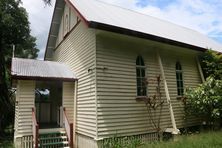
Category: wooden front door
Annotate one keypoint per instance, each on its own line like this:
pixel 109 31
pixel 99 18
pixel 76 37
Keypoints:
pixel 43 112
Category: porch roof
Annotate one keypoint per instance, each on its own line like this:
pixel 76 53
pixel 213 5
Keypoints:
pixel 30 69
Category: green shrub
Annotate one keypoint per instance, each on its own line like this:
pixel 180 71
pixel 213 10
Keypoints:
pixel 6 144
pixel 205 100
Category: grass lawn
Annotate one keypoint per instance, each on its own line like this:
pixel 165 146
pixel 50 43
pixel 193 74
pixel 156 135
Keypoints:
pixel 203 140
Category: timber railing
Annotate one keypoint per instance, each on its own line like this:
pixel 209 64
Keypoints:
pixel 35 129
pixel 68 128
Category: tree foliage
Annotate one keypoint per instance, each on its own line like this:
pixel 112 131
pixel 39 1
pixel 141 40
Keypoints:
pixel 47 2
pixel 211 63
pixel 14 29
pixel 206 99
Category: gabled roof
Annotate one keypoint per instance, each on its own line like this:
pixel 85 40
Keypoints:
pixel 29 69
pixel 100 15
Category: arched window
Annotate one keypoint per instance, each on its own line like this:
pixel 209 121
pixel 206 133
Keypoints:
pixel 179 78
pixel 140 77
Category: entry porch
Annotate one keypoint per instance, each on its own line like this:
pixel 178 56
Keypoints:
pixel 45 103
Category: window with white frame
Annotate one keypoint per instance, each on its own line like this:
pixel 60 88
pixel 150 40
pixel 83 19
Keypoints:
pixel 141 77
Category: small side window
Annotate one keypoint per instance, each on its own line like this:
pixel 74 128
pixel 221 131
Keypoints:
pixel 141 77
pixel 179 79
pixel 66 24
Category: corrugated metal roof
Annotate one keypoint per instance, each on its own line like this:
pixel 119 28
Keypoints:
pixel 37 69
pixel 97 11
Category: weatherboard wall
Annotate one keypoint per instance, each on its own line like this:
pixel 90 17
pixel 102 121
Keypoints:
pixel 118 111
pixel 191 77
pixel 77 50
pixel 25 97
pixel 68 21
pixel 68 99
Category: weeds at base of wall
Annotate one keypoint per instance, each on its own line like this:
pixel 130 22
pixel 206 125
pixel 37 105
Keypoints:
pixel 126 142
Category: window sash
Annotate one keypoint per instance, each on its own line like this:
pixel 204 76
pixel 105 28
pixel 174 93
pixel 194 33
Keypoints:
pixel 141 81
pixel 179 79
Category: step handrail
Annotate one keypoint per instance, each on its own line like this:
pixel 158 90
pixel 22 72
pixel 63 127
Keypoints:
pixel 35 129
pixel 68 128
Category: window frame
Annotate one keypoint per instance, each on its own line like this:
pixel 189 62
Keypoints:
pixel 141 90
pixel 179 79
pixel 66 24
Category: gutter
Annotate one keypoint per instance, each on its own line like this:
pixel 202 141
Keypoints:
pixel 39 78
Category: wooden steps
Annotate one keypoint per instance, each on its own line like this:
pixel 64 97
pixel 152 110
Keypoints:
pixel 53 138
pixel 53 144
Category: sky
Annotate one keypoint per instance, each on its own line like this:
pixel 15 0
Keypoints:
pixel 204 16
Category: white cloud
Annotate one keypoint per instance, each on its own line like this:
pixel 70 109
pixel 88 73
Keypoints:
pixel 200 15
pixel 40 19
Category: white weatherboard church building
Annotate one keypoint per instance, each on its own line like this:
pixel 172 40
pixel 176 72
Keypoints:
pixel 90 85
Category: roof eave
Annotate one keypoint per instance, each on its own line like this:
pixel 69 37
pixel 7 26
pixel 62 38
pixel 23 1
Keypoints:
pixel 106 27
pixel 86 22
pixel 50 30
pixel 43 78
